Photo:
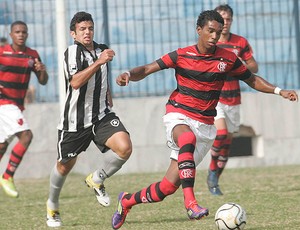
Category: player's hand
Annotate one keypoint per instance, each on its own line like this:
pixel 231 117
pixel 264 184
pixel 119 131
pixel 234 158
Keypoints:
pixel 123 79
pixel 39 66
pixel 1 87
pixel 107 55
pixel 289 94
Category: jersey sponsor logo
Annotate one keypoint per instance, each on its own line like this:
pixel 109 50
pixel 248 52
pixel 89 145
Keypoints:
pixel 186 165
pixel 190 53
pixel 222 66
pixel 72 154
pixel 115 122
pixel 187 173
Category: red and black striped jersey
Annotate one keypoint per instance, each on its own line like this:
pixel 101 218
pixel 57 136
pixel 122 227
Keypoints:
pixel 200 78
pixel 231 94
pixel 15 70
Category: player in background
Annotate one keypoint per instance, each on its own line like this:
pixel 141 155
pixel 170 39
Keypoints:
pixel 227 120
pixel 17 61
pixel 200 71
pixel 87 116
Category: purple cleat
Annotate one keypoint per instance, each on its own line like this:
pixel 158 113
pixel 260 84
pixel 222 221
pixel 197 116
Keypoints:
pixel 196 212
pixel 119 216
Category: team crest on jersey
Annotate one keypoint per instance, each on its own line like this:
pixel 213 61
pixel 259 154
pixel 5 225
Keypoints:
pixel 115 122
pixel 222 66
pixel 30 62
pixel 235 51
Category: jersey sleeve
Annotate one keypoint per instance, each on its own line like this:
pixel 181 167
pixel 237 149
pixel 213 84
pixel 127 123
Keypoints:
pixel 72 61
pixel 240 71
pixel 247 52
pixel 168 60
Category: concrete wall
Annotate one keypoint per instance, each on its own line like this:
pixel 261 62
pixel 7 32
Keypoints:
pixel 274 120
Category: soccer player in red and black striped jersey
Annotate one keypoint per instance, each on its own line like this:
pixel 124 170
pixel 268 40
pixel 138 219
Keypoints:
pixel 200 72
pixel 17 61
pixel 227 120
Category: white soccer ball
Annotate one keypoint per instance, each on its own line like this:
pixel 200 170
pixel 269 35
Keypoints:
pixel 230 216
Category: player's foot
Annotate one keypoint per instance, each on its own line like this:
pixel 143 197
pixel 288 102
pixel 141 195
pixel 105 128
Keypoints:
pixel 53 218
pixel 196 212
pixel 212 182
pixel 9 187
pixel 121 213
pixel 215 191
pixel 101 195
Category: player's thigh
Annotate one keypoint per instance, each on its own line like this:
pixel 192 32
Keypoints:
pixel 110 133
pixel 205 137
pixel 12 121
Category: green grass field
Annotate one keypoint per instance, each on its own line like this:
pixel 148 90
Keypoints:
pixel 270 196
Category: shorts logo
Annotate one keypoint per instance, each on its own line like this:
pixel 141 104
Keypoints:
pixel 115 122
pixel 20 121
pixel 72 154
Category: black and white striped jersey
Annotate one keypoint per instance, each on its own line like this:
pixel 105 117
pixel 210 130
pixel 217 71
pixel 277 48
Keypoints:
pixel 88 104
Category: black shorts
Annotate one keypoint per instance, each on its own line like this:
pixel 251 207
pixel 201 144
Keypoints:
pixel 71 144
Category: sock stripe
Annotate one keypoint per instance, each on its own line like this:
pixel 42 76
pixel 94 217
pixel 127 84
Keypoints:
pixel 187 148
pixel 159 193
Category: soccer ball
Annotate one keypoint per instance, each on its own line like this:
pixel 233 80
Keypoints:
pixel 230 216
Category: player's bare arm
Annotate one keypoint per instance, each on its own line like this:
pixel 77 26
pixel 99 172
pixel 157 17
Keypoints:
pixel 137 73
pixel 258 83
pixel 41 72
pixel 252 65
pixel 82 77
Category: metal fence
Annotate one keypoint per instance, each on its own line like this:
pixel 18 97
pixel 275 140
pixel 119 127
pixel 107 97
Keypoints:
pixel 140 31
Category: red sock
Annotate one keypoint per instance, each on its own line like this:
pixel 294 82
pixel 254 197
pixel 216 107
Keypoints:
pixel 155 192
pixel 186 166
pixel 224 155
pixel 217 148
pixel 15 159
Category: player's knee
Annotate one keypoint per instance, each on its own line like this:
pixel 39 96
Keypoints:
pixel 26 137
pixel 124 150
pixel 3 147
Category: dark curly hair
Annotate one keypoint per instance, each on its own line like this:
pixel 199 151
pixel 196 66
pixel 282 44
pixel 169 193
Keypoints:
pixel 209 15
pixel 80 17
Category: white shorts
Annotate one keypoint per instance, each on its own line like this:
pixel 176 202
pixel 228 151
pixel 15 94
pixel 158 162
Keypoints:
pixel 231 114
pixel 205 135
pixel 12 121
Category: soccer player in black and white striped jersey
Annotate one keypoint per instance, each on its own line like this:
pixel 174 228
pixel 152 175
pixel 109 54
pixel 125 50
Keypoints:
pixel 87 116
